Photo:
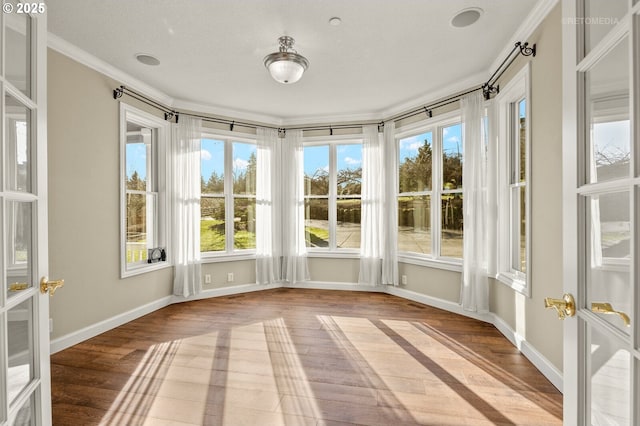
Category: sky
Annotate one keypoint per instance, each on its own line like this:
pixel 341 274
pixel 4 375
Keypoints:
pixel 212 157
pixel 451 142
pixel 317 158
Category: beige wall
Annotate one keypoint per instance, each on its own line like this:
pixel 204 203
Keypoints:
pixel 84 201
pixel 84 236
pixel 541 327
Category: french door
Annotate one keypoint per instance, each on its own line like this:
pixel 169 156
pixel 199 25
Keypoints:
pixel 25 396
pixel 601 152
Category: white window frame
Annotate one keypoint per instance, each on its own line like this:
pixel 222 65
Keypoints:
pixel 332 142
pixel 160 172
pixel 230 252
pixel 434 125
pixel 516 90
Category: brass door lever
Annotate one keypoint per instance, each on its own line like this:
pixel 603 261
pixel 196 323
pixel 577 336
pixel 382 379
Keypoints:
pixel 565 307
pixel 50 286
pixel 18 286
pixel 606 308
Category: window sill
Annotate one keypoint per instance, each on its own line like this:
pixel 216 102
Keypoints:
pixel 228 257
pixel 447 265
pixel 515 282
pixel 143 269
pixel 335 254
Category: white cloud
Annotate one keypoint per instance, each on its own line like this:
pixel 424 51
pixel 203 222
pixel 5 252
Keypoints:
pixel 325 168
pixel 205 155
pixel 445 132
pixel 352 161
pixel 240 164
pixel 453 139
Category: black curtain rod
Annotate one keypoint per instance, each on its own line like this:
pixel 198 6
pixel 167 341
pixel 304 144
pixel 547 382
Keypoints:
pixel 488 88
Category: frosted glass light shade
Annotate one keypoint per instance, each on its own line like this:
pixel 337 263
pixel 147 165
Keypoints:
pixel 286 71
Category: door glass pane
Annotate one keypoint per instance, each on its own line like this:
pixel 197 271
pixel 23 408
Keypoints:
pixel 348 225
pixel 415 156
pixel 609 138
pixel 316 224
pixel 20 347
pixel 244 223
pixel 18 144
pixel 451 241
pixel 19 254
pixel 212 224
pixel 600 16
pixel 609 365
pixel 26 415
pixel 18 49
pixel 414 224
pixel 452 157
pixel 609 255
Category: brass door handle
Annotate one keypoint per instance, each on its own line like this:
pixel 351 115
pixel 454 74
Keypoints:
pixel 606 308
pixel 50 286
pixel 18 286
pixel 565 307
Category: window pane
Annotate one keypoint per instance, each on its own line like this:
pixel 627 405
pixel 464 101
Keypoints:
pixel 519 229
pixel 244 168
pixel 609 151
pixel 522 138
pixel 316 215
pixel 18 49
pixel 600 17
pixel 316 170
pixel 18 144
pixel 137 155
pixel 244 223
pixel 212 166
pixel 141 211
pixel 414 224
pixel 452 157
pixel 348 226
pixel 212 224
pixel 349 177
pixel 451 234
pixel 415 158
pixel 19 257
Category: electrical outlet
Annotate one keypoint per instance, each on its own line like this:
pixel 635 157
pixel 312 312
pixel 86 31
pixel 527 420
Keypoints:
pixel 207 278
pixel 230 277
pixel 404 280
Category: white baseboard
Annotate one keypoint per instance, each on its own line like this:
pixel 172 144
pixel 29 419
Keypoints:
pixel 225 291
pixel 536 358
pixel 93 330
pixel 326 285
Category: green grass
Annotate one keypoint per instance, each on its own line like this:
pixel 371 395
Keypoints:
pixel 316 237
pixel 211 239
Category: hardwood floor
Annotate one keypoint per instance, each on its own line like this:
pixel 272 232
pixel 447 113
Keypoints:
pixel 300 357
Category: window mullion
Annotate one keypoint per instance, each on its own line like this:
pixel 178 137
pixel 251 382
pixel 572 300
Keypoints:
pixel 333 205
pixel 229 198
pixel 436 191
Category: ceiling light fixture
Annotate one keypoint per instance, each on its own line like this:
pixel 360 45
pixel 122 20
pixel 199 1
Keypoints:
pixel 147 59
pixel 466 17
pixel 286 66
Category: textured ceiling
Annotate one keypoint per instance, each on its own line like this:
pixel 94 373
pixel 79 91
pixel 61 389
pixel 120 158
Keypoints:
pixel 386 53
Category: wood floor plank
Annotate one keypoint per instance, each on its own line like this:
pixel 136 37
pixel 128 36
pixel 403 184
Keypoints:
pixel 297 356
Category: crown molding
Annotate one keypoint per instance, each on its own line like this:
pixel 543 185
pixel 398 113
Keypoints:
pixel 442 93
pixel 227 113
pixel 526 29
pixel 83 57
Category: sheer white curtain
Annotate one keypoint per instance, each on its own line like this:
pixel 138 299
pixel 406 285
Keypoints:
pixel 390 208
pixel 372 203
pixel 294 265
pixel 268 223
pixel 186 207
pixel 475 287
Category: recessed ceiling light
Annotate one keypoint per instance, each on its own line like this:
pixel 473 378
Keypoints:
pixel 147 59
pixel 466 17
pixel 335 21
